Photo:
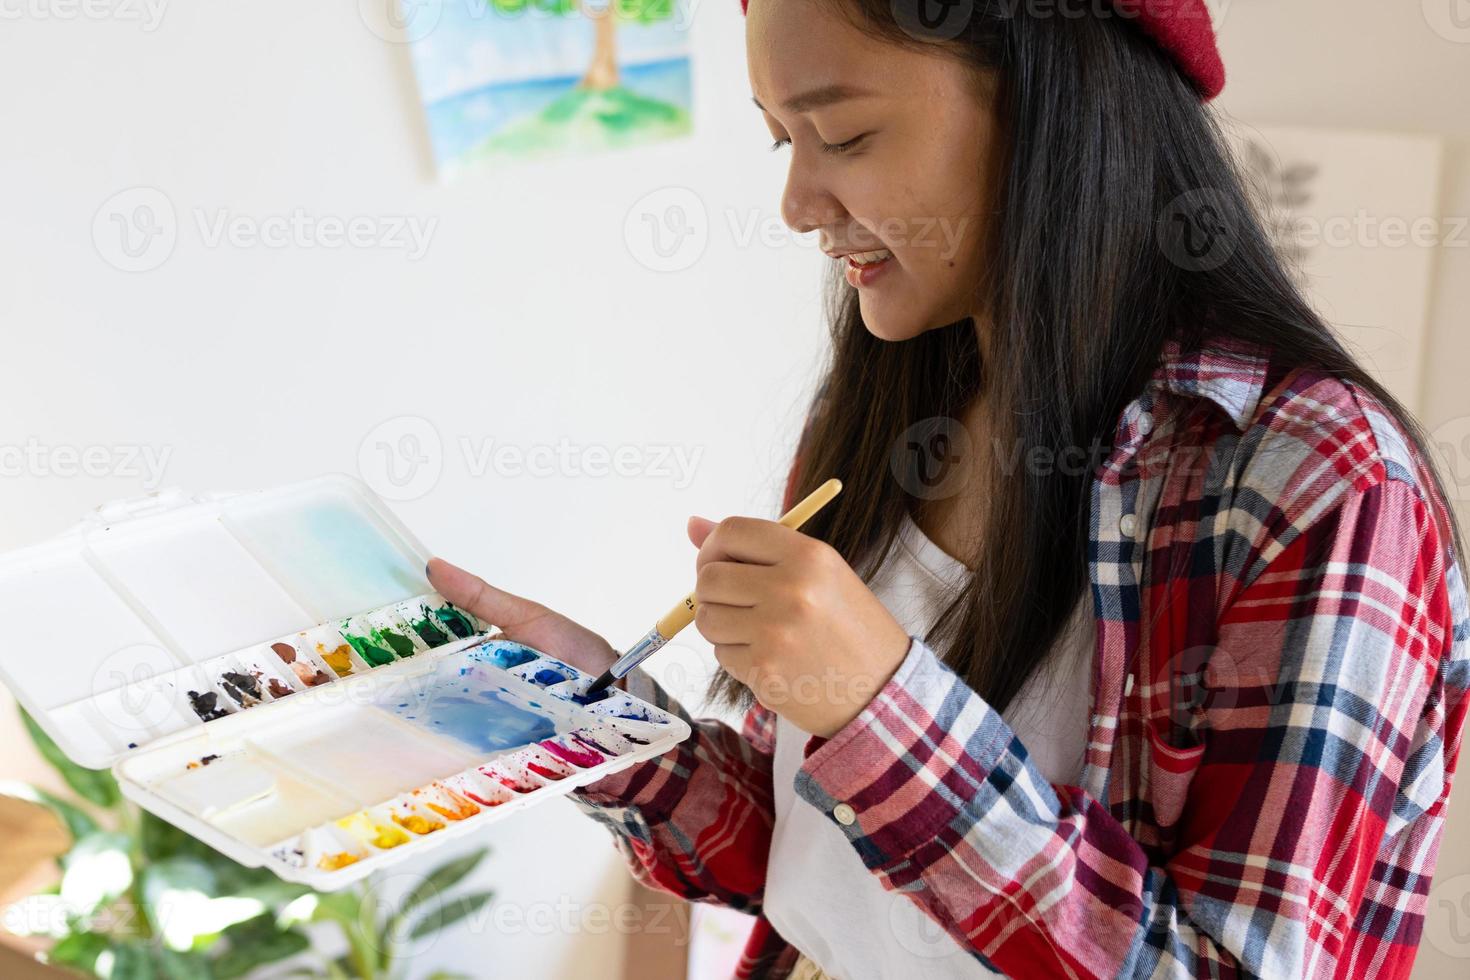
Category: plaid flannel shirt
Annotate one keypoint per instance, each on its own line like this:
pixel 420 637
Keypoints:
pixel 1279 690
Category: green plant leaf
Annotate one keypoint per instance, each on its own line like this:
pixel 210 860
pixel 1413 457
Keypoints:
pixel 78 951
pixel 94 785
pixel 130 961
pixel 174 965
pixel 440 881
pixel 79 822
pixel 254 943
pixel 161 839
pixel 443 916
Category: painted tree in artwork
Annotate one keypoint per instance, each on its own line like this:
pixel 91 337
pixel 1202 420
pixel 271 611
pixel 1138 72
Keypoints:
pixel 600 109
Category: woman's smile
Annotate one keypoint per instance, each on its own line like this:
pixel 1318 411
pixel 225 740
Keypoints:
pixel 864 268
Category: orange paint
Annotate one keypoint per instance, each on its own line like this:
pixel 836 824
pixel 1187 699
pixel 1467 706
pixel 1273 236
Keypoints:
pixel 462 807
pixel 335 862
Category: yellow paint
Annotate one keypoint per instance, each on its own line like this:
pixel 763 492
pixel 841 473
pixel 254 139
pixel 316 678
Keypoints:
pixel 339 659
pixel 417 823
pixel 335 862
pixel 381 836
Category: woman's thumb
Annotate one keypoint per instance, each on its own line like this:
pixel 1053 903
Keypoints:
pixel 478 597
pixel 699 529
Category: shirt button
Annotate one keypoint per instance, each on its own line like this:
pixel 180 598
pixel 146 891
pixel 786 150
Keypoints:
pixel 1145 424
pixel 1128 525
pixel 845 814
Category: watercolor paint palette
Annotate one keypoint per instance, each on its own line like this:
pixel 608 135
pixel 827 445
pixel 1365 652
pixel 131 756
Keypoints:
pixel 272 673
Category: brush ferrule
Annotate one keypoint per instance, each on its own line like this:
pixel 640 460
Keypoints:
pixel 638 653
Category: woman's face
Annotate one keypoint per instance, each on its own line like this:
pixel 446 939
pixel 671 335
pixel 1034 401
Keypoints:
pixel 892 158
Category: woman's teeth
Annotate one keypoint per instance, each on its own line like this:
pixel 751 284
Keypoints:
pixel 868 258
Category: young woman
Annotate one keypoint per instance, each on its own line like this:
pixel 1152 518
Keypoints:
pixel 1136 644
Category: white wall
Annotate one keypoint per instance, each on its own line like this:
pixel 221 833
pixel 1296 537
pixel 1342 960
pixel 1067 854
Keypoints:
pixel 528 321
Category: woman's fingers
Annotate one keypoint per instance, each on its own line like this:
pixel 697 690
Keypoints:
pixel 744 539
pixel 478 597
pixel 726 624
pixel 730 583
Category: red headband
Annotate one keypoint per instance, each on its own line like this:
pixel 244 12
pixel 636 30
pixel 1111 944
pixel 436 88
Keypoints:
pixel 1184 29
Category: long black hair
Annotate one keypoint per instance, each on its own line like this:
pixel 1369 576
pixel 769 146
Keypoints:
pixel 1122 224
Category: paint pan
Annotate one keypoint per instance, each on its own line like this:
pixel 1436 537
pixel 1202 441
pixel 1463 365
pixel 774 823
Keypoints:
pixel 415 613
pixel 327 645
pixel 387 629
pixel 459 624
pixel 272 674
pixel 275 678
pixel 441 800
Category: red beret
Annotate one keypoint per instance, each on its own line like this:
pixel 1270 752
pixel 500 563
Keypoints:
pixel 1184 29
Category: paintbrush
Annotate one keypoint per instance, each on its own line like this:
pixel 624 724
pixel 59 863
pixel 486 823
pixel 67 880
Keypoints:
pixel 683 614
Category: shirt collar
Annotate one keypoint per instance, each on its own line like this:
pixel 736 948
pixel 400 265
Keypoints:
pixel 1230 374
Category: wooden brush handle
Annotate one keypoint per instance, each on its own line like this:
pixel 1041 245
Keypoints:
pixel 683 614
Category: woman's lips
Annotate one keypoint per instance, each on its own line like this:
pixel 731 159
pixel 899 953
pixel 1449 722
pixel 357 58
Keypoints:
pixel 864 268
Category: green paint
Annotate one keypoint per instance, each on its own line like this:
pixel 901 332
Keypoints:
pixel 458 623
pixel 397 642
pixel 427 631
pixel 369 651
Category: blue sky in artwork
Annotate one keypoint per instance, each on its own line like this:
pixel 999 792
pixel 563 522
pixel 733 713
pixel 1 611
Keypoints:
pixel 473 45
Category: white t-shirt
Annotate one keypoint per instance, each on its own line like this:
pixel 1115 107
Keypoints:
pixel 818 895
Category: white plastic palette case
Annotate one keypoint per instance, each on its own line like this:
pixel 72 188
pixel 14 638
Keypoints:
pixel 272 673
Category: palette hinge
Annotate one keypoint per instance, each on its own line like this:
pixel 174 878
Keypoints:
pixel 130 508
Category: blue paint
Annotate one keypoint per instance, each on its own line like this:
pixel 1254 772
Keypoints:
pixel 487 722
pixel 591 698
pixel 545 677
pixel 506 657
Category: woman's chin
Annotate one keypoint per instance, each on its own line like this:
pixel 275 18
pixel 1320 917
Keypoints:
pixel 887 323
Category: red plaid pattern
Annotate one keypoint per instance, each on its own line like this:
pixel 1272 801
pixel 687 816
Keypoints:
pixel 1279 695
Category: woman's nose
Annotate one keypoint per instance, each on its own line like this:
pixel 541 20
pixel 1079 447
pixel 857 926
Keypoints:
pixel 806 206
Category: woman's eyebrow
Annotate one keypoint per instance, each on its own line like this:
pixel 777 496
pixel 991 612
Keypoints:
pixel 817 98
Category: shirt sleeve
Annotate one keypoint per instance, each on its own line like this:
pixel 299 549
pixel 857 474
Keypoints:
pixel 696 821
pixel 1333 704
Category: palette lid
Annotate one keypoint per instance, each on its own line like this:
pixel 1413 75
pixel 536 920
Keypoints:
pixel 104 621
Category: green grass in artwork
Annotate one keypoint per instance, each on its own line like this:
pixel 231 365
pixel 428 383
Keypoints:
pixel 584 119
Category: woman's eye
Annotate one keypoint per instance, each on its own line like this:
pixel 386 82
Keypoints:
pixel 844 147
pixel 783 141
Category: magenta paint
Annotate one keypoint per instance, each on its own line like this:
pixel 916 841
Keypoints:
pixel 582 758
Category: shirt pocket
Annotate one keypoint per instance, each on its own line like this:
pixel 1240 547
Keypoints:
pixel 1171 770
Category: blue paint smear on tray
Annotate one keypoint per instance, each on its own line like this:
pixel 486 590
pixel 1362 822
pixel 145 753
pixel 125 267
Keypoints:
pixel 486 720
